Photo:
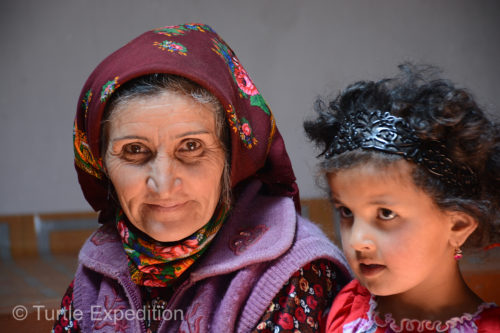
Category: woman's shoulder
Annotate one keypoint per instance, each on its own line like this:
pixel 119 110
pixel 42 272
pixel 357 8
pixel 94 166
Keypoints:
pixel 103 251
pixel 267 228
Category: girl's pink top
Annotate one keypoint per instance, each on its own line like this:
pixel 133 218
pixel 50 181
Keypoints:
pixel 354 310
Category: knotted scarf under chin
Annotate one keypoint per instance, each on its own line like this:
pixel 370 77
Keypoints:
pixel 157 264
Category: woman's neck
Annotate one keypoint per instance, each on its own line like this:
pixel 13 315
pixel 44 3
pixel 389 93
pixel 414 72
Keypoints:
pixel 443 301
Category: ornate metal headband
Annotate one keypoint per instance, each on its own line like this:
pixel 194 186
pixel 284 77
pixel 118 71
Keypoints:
pixel 382 131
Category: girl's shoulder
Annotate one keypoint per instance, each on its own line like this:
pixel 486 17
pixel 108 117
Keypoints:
pixel 350 310
pixel 354 310
pixel 489 319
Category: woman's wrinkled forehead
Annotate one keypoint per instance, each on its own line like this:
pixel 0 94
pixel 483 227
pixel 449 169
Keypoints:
pixel 162 92
pixel 165 98
pixel 143 106
pixel 170 114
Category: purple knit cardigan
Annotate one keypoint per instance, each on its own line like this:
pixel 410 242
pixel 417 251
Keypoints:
pixel 257 250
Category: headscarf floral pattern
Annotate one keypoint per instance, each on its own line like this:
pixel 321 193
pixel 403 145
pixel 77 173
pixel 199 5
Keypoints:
pixel 154 264
pixel 240 76
pixel 178 30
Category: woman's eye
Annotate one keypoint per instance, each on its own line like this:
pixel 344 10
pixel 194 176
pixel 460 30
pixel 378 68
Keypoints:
pixel 135 152
pixel 135 148
pixel 344 212
pixel 386 214
pixel 190 146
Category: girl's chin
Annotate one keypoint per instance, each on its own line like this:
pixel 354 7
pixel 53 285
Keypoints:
pixel 379 289
pixel 376 287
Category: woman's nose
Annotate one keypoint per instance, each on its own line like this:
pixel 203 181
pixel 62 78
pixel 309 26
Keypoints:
pixel 361 238
pixel 163 178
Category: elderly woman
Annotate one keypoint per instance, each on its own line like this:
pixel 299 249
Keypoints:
pixel 180 154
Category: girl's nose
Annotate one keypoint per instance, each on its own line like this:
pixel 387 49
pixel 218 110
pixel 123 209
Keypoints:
pixel 361 237
pixel 163 178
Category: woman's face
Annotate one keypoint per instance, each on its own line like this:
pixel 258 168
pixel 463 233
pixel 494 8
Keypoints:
pixel 165 162
pixel 397 241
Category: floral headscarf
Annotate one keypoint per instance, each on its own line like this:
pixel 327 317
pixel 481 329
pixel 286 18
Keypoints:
pixel 196 52
pixel 155 264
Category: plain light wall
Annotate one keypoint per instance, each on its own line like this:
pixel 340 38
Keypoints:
pixel 294 50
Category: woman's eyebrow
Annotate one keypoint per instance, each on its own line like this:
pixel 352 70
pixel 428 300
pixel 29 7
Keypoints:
pixel 130 137
pixel 192 133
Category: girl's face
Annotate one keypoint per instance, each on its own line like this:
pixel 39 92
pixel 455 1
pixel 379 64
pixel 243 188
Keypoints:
pixel 393 235
pixel 165 162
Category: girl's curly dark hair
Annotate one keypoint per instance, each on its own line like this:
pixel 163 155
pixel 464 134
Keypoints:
pixel 436 110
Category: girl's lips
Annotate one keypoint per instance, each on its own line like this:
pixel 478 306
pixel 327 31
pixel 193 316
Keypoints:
pixel 370 270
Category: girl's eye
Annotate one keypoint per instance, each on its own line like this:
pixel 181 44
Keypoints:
pixel 344 212
pixel 386 214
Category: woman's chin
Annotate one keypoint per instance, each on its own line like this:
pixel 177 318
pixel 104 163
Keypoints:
pixel 164 229
pixel 164 234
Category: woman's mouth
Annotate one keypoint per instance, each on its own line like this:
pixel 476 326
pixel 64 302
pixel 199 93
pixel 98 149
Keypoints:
pixel 166 207
pixel 370 269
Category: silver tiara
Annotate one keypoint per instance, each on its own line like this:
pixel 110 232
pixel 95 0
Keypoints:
pixel 382 131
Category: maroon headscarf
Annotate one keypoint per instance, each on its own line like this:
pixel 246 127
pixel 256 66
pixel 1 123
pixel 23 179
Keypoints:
pixel 197 53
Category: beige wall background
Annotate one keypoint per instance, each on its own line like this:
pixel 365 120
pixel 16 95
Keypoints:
pixel 294 50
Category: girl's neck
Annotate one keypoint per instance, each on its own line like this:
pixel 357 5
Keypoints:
pixel 443 302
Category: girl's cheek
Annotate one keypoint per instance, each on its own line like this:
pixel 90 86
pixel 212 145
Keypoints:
pixel 344 236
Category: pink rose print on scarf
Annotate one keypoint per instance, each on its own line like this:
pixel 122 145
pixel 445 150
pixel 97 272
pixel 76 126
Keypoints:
pixel 178 251
pixel 242 127
pixel 240 75
pixel 123 230
pixel 246 129
pixel 243 80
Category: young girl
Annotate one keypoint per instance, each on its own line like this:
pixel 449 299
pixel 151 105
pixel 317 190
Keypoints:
pixel 413 168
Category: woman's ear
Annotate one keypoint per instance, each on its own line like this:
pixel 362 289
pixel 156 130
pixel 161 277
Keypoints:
pixel 462 226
